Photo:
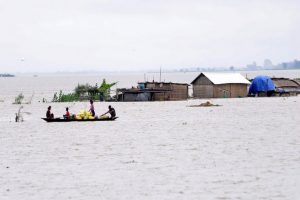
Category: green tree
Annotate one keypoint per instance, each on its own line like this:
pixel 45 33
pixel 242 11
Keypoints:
pixel 105 89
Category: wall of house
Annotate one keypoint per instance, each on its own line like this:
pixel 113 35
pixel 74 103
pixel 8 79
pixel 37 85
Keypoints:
pixel 161 96
pixel 239 90
pixel 179 92
pixel 203 88
pixel 222 91
pixel 130 97
pixel 230 90
pixel 165 86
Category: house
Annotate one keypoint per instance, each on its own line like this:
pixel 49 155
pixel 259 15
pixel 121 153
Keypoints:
pixel 220 85
pixel 286 86
pixel 173 91
pixel 155 91
pixel 261 86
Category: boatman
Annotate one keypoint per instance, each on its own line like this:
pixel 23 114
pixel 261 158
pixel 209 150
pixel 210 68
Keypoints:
pixel 111 111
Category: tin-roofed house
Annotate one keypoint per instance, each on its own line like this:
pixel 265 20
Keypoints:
pixel 220 85
pixel 174 91
pixel 155 91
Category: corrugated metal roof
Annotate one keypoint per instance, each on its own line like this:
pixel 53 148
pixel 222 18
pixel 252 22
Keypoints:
pixel 149 82
pixel 225 78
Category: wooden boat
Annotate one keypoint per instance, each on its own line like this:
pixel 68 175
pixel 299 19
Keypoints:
pixel 78 120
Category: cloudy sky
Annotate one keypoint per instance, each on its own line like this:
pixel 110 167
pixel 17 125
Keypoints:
pixel 73 35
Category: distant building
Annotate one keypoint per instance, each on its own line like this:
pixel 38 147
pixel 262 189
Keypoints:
pixel 253 66
pixel 220 85
pixel 155 91
pixel 297 64
pixel 268 64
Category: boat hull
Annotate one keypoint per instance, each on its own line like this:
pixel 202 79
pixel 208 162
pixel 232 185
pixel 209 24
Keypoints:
pixel 77 120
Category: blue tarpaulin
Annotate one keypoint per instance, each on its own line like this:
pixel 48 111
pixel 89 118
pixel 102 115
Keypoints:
pixel 261 84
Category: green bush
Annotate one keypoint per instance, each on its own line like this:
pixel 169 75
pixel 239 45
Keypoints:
pixel 85 92
pixel 61 97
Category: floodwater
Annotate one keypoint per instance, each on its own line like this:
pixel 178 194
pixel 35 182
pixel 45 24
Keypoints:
pixel 247 148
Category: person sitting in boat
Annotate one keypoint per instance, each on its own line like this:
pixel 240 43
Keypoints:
pixel 67 115
pixel 49 115
pixel 92 110
pixel 111 111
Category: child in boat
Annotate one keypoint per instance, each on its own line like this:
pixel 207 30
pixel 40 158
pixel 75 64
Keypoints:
pixel 49 115
pixel 67 115
pixel 92 110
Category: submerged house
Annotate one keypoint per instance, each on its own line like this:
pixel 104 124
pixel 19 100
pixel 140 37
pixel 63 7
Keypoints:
pixel 155 91
pixel 220 85
pixel 174 91
pixel 262 86
pixel 286 86
pixel 265 86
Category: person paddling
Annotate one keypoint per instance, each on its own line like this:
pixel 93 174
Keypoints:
pixel 111 111
pixel 49 115
pixel 92 110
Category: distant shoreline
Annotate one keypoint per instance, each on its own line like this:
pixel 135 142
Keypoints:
pixel 7 75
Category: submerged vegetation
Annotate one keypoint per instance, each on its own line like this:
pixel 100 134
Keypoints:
pixel 64 97
pixel 19 98
pixel 85 92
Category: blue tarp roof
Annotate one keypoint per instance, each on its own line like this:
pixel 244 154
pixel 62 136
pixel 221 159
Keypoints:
pixel 261 84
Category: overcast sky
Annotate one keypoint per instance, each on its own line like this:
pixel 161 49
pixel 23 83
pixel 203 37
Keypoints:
pixel 72 35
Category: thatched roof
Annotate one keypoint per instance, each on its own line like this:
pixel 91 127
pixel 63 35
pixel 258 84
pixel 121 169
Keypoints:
pixel 285 82
pixel 297 81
